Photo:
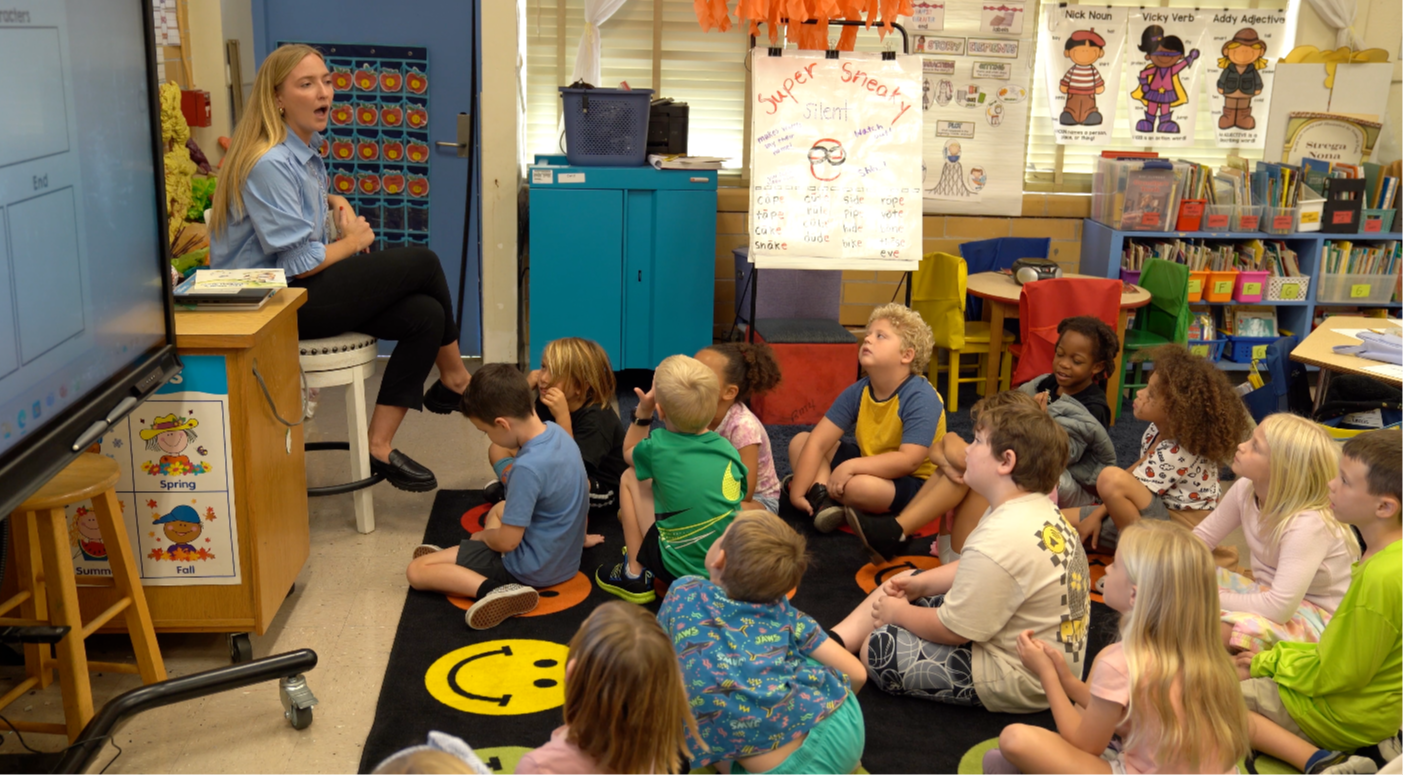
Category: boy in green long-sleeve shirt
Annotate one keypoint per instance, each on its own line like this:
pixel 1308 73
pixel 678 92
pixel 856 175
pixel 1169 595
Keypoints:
pixel 1313 703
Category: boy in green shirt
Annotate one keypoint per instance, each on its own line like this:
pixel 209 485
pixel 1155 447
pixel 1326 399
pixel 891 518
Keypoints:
pixel 1313 703
pixel 684 487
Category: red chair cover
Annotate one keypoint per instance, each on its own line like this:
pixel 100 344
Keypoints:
pixel 1045 303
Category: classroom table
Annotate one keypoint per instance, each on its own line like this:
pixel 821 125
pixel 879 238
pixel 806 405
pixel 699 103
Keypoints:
pixel 1318 349
pixel 1003 291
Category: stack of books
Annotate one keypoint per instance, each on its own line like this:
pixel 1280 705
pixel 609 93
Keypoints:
pixel 229 290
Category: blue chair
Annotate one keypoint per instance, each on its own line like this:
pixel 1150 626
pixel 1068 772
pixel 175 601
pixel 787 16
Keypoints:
pixel 992 255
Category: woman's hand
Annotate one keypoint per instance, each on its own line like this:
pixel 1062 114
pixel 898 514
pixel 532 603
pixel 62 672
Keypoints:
pixel 356 230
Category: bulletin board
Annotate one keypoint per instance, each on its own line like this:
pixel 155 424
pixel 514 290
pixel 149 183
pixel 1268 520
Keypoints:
pixel 376 146
pixel 977 69
pixel 834 179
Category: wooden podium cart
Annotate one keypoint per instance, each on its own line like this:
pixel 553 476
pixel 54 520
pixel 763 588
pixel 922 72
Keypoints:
pixel 270 477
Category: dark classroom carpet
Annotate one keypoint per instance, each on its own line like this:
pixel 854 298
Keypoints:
pixel 486 676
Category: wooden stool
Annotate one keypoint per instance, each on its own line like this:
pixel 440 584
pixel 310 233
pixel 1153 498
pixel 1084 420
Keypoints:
pixel 49 592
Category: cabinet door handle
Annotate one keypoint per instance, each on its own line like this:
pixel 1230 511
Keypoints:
pixel 640 275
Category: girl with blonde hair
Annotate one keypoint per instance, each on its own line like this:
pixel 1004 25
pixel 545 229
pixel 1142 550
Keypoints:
pixel 271 210
pixel 575 387
pixel 626 709
pixel 1301 555
pixel 1141 689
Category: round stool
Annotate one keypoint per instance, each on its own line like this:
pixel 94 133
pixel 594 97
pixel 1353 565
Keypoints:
pixel 347 359
pixel 48 592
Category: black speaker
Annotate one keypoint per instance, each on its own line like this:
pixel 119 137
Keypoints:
pixel 667 127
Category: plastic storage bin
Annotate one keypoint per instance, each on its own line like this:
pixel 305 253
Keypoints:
pixel 1130 276
pixel 1217 218
pixel 1220 285
pixel 606 127
pixel 1249 286
pixel 1138 194
pixel 1245 349
pixel 1288 288
pixel 1212 349
pixel 1190 215
pixel 1310 210
pixel 1281 220
pixel 1356 288
pixel 1377 221
pixel 1246 217
pixel 1198 281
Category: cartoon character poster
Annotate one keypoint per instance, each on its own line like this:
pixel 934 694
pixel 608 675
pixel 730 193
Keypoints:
pixel 176 484
pixel 1242 48
pixel 1083 82
pixel 1167 50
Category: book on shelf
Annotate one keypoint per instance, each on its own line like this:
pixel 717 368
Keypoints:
pixel 1149 195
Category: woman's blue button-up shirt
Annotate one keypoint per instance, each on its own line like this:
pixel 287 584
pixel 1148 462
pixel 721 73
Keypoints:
pixel 284 220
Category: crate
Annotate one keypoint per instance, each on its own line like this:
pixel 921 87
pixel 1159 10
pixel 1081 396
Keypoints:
pixel 1377 221
pixel 1249 287
pixel 1212 349
pixel 1246 217
pixel 606 127
pixel 1288 288
pixel 1245 349
pixel 1356 288
pixel 1220 285
pixel 1281 220
pixel 1198 282
pixel 1217 217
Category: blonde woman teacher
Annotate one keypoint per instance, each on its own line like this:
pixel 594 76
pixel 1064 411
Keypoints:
pixel 271 210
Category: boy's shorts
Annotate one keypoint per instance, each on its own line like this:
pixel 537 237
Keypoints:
pixel 650 556
pixel 906 486
pixel 478 557
pixel 901 662
pixel 834 745
pixel 1262 696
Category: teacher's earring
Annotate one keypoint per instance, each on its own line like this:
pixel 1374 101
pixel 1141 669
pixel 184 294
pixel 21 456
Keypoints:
pixel 281 111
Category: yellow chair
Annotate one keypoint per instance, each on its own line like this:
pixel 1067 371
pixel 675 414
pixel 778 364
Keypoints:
pixel 938 296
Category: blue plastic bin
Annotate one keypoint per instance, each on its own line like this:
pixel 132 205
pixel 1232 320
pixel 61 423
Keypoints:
pixel 1212 349
pixel 1239 349
pixel 606 127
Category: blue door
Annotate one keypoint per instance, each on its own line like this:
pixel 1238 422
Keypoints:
pixel 447 29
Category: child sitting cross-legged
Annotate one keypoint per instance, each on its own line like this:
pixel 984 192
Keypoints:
pixel 1313 703
pixel 536 536
pixel 1166 689
pixel 771 692
pixel 685 485
pixel 1301 554
pixel 950 634
pixel 894 414
pixel 745 370
pixel 1196 421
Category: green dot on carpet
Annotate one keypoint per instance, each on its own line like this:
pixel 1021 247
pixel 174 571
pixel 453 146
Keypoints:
pixel 972 763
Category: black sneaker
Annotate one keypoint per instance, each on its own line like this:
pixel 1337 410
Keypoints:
pixel 495 492
pixel 828 513
pixel 440 399
pixel 615 581
pixel 880 535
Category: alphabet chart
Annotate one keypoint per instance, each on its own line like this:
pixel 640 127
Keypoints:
pixel 835 176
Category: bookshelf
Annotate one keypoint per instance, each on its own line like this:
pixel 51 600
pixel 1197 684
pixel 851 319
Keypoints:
pixel 1102 246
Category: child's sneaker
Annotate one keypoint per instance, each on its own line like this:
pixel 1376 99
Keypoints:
pixel 1324 761
pixel 880 536
pixel 501 604
pixel 1392 748
pixel 494 492
pixel 423 549
pixel 616 582
pixel 828 513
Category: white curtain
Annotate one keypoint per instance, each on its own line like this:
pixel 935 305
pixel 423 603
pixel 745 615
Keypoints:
pixel 599 11
pixel 1340 14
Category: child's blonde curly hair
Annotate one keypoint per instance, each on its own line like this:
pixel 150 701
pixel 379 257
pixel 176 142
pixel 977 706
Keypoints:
pixel 912 329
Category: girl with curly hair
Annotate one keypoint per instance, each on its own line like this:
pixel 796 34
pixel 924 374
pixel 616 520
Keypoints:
pixel 1196 422
pixel 745 370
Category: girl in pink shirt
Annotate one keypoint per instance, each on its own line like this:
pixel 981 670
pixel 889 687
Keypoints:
pixel 744 371
pixel 1132 716
pixel 625 707
pixel 1301 555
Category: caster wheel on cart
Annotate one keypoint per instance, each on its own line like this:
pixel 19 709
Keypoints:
pixel 300 718
pixel 240 648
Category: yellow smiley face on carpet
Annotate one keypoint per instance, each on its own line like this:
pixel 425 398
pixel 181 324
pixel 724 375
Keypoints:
pixel 500 677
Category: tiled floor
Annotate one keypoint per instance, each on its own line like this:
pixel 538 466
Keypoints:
pixel 346 607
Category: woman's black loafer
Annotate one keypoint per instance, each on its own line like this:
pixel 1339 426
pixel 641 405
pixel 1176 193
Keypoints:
pixel 404 473
pixel 439 399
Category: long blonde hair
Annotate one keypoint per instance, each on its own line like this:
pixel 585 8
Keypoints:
pixel 1301 461
pixel 1171 635
pixel 259 130
pixel 581 363
pixel 625 703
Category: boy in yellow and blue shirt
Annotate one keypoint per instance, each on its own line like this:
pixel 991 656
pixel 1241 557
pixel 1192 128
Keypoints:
pixel 894 414
pixel 1313 703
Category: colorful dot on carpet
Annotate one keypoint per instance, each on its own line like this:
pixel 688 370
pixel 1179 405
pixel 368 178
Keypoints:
pixel 500 677
pixel 503 759
pixel 870 576
pixel 972 763
pixel 567 594
pixel 472 518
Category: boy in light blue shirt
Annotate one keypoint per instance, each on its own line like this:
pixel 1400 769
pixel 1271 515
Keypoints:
pixel 532 539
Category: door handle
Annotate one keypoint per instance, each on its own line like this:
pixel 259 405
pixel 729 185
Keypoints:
pixel 465 131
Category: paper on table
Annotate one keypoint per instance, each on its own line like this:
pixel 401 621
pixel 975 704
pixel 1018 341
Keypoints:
pixel 1352 333
pixel 1391 370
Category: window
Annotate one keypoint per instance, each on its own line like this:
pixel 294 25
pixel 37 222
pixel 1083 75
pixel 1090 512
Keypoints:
pixel 1078 162
pixel 651 44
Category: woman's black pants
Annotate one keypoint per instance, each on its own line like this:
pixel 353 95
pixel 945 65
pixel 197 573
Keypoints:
pixel 399 295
